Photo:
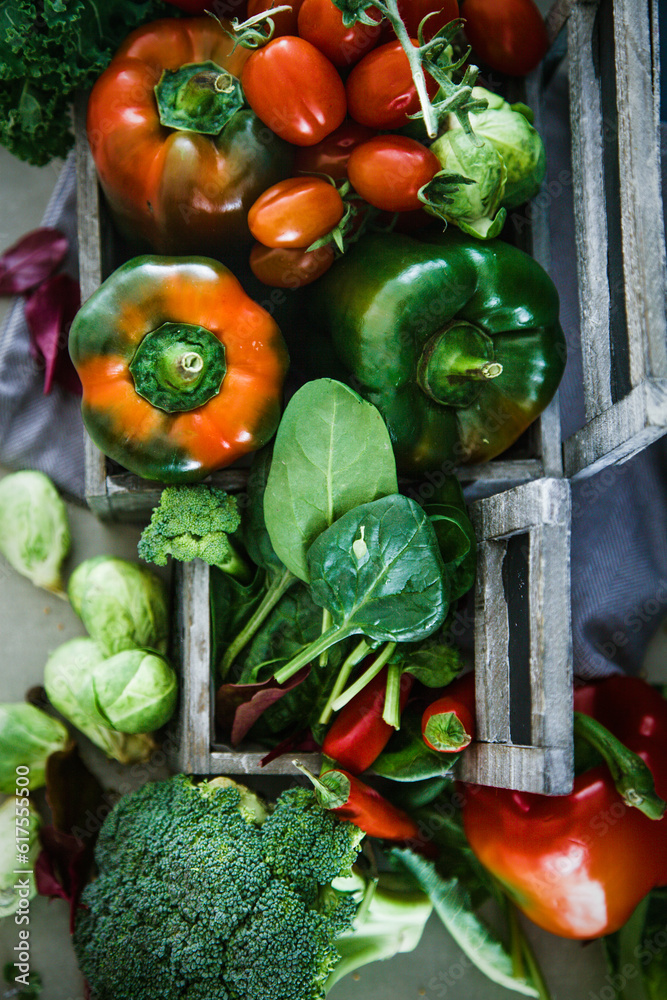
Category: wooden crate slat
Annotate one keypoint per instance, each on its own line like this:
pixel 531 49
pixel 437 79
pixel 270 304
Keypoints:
pixel 250 762
pixel 505 766
pixel 590 210
pixel 541 511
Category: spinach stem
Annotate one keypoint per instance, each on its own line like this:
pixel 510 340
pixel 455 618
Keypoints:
pixel 312 651
pixel 279 585
pixel 327 622
pixel 391 712
pixel 367 676
pixel 358 653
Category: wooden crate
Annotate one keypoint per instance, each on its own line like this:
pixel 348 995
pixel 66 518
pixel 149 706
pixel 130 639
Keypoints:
pixel 619 223
pixel 522 657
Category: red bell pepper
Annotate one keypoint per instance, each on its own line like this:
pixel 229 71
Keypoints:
pixel 448 724
pixel 359 734
pixel 579 864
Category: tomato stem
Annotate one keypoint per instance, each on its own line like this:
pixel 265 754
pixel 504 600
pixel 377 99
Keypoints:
pixel 390 8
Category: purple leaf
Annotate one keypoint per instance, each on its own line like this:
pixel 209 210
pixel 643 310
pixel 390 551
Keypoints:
pixel 49 312
pixel 31 260
pixel 301 742
pixel 239 706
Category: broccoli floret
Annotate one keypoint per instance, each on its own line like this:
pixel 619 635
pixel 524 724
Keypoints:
pixel 196 899
pixel 194 522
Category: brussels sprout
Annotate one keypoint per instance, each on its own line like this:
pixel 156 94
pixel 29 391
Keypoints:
pixel 122 604
pixel 135 690
pixel 469 189
pixel 512 135
pixel 68 681
pixel 17 814
pixel 34 532
pixel 27 737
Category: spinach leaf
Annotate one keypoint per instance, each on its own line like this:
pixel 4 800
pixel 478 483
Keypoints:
pixel 458 545
pixel 253 524
pixel 453 906
pixel 232 605
pixel 379 572
pixel 332 453
pixel 434 664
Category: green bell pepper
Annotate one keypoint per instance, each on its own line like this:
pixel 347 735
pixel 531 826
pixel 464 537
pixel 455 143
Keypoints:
pixel 455 341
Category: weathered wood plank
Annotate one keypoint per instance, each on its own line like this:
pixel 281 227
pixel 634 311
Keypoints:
pixel 546 771
pixel 589 209
pixel 492 668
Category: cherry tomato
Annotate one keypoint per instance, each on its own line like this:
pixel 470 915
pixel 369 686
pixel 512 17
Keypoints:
pixel 321 23
pixel 509 37
pixel 389 170
pixel 330 156
pixel 413 11
pixel 380 89
pixel 284 268
pixel 295 212
pixel 295 90
pixel 284 22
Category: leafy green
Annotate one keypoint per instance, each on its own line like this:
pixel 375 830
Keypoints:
pixel 331 454
pixel 48 50
pixel 253 522
pixel 30 992
pixel 406 756
pixel 453 906
pixel 640 945
pixel 232 605
pixel 378 570
pixel 434 664
pixel 458 545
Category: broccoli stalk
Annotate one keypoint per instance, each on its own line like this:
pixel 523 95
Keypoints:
pixel 195 522
pixel 208 894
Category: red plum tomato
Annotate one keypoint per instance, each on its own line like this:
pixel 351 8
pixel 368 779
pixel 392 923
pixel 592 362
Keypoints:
pixel 295 212
pixel 380 89
pixel 282 267
pixel 284 23
pixel 295 90
pixel 330 156
pixel 321 23
pixel 509 37
pixel 389 170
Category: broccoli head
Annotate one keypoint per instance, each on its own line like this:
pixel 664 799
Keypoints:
pixel 195 522
pixel 202 897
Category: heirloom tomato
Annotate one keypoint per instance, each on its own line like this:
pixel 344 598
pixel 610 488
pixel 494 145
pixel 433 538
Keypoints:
pixel 510 36
pixel 380 90
pixel 295 90
pixel 389 170
pixel 321 23
pixel 295 212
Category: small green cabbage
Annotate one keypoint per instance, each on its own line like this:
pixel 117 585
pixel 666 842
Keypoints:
pixel 513 137
pixel 123 605
pixel 69 683
pixel 135 691
pixel 28 737
pixel 34 531
pixel 469 189
pixel 19 822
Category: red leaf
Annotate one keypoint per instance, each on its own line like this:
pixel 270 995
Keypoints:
pixel 49 312
pixel 301 742
pixel 63 868
pixel 31 260
pixel 239 706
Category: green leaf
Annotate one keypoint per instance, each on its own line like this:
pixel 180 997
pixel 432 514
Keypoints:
pixel 406 756
pixel 232 605
pixel 332 453
pixel 433 664
pixel 378 570
pixel 458 544
pixel 253 524
pixel 475 939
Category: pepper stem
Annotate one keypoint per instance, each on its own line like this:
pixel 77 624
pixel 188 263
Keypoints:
pixel 198 97
pixel 332 793
pixel 632 777
pixel 178 367
pixel 455 363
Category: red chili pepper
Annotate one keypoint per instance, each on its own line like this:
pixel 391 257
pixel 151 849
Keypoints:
pixel 359 734
pixel 448 724
pixel 579 864
pixel 349 798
